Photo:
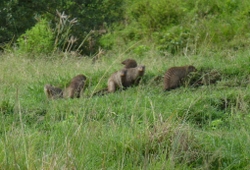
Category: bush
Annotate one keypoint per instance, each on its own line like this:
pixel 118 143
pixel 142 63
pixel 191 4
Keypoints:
pixel 37 40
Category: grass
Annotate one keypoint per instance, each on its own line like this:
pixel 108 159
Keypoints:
pixel 203 127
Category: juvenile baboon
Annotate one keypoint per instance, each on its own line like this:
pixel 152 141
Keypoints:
pixel 174 76
pixel 75 87
pixel 53 92
pixel 116 79
pixel 133 76
pixel 129 63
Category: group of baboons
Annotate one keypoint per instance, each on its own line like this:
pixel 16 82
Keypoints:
pixel 128 76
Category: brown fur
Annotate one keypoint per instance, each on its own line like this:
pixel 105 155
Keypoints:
pixel 133 76
pixel 129 63
pixel 175 75
pixel 75 87
pixel 116 79
pixel 53 92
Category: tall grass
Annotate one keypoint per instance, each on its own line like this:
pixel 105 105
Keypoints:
pixel 143 127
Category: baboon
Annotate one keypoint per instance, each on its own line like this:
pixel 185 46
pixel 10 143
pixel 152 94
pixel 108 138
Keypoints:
pixel 75 87
pixel 174 76
pixel 133 76
pixel 53 92
pixel 129 63
pixel 116 79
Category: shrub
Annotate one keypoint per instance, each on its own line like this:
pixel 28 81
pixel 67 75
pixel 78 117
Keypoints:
pixel 37 40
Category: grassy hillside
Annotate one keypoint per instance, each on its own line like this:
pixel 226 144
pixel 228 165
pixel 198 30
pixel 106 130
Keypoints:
pixel 205 127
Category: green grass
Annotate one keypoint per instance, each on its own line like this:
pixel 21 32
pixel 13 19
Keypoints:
pixel 203 127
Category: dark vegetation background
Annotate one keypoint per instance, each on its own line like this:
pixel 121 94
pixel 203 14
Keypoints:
pixel 170 26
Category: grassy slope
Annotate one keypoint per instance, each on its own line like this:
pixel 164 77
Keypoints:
pixel 134 129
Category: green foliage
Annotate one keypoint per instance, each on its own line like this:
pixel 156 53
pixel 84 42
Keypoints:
pixel 153 16
pixel 93 18
pixel 140 50
pixel 169 26
pixel 185 26
pixel 19 16
pixel 145 20
pixel 37 40
pixel 15 19
pixel 64 40
pixel 172 40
